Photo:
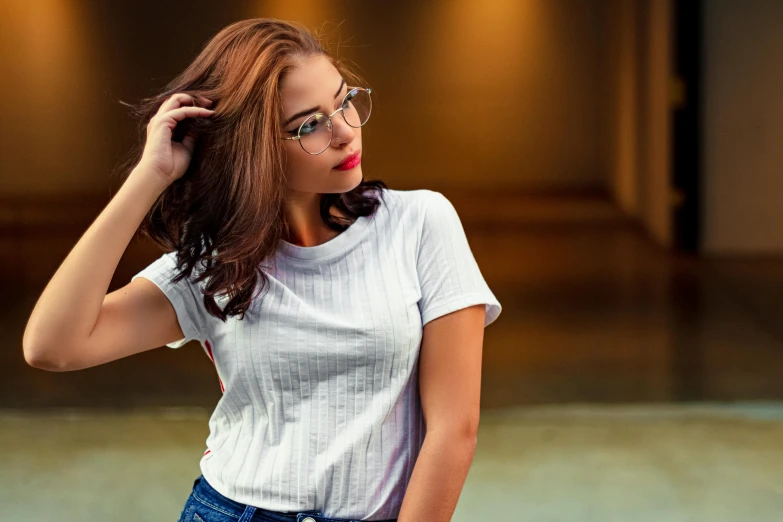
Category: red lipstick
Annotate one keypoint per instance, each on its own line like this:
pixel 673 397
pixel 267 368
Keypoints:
pixel 350 162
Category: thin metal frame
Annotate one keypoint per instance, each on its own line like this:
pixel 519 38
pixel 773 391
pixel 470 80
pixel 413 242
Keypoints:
pixel 329 119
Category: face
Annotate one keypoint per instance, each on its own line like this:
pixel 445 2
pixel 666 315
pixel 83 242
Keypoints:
pixel 313 87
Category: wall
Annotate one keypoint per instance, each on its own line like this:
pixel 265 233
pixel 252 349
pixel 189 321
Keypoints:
pixel 743 128
pixel 472 95
pixel 638 57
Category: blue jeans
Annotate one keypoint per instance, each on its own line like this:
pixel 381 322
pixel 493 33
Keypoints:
pixel 205 504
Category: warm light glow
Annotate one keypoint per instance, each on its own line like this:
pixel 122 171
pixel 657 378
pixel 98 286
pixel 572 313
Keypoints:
pixel 52 87
pixel 316 15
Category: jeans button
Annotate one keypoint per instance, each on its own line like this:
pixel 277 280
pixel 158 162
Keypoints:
pixel 308 519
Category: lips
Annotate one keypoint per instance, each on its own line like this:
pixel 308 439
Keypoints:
pixel 348 159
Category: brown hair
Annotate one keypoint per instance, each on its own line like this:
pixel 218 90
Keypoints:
pixel 226 211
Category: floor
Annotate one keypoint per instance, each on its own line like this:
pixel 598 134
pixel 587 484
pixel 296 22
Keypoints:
pixel 563 463
pixel 619 383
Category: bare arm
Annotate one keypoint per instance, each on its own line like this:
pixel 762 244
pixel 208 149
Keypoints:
pixel 74 323
pixel 68 309
pixel 451 350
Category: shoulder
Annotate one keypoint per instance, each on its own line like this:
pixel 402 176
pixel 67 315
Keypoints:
pixel 424 210
pixel 165 269
pixel 162 268
pixel 413 202
pixel 423 217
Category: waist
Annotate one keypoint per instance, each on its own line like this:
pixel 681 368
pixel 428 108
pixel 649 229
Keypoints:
pixel 204 492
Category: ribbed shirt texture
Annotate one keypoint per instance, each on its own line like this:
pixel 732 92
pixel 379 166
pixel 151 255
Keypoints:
pixel 320 406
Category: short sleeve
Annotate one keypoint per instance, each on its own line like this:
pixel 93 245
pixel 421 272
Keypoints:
pixel 184 296
pixel 449 276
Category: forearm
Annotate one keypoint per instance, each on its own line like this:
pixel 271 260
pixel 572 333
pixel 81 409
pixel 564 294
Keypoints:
pixel 68 308
pixel 437 478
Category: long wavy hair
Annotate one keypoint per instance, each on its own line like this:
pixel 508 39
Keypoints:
pixel 226 212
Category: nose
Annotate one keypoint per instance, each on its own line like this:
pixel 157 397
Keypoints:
pixel 342 133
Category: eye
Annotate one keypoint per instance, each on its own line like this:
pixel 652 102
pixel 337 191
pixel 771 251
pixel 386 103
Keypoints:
pixel 348 98
pixel 309 127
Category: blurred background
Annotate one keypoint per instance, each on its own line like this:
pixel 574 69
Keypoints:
pixel 615 164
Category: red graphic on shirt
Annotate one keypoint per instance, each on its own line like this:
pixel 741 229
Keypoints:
pixel 212 358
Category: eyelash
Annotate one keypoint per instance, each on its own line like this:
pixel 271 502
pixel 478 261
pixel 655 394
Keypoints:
pixel 296 130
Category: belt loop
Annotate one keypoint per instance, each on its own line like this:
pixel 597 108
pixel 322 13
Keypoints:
pixel 247 515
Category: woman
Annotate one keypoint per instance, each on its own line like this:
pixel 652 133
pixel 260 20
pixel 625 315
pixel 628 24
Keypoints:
pixel 339 313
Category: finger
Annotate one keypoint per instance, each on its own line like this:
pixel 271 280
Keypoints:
pixel 177 115
pixel 189 141
pixel 174 101
pixel 180 99
pixel 169 120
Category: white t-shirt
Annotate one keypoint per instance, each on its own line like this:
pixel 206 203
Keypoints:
pixel 320 406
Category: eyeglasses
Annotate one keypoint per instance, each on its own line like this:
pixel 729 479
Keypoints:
pixel 315 133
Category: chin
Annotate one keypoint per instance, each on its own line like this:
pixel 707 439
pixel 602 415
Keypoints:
pixel 351 179
pixel 357 177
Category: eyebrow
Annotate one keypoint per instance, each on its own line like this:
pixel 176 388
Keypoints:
pixel 307 112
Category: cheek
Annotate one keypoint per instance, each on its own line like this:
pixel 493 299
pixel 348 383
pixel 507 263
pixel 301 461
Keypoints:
pixel 301 162
pixel 303 168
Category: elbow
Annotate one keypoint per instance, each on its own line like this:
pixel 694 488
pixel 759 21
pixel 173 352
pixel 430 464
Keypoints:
pixel 472 436
pixel 462 433
pixel 42 359
pixel 45 363
pixel 468 429
pixel 37 360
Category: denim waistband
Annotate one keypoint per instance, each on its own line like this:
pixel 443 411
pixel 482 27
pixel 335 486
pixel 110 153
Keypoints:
pixel 204 492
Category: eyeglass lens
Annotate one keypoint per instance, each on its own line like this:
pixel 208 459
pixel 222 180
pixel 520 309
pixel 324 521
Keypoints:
pixel 315 133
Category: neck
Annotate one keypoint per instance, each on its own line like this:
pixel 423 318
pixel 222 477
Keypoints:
pixel 305 226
